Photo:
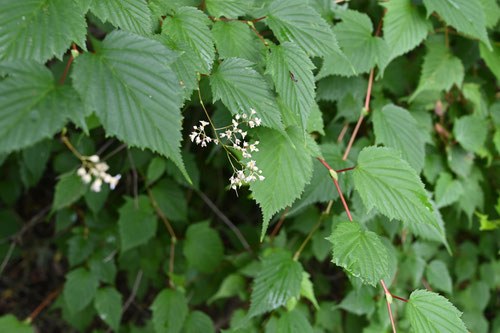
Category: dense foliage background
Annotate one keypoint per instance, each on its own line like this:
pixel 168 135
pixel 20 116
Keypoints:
pixel 168 166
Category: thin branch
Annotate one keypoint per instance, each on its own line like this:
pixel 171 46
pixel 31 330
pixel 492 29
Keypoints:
pixel 161 215
pixel 7 257
pixel 343 132
pixel 50 297
pixel 115 151
pixel 280 223
pixel 67 66
pixel 135 178
pixel 135 288
pixel 388 299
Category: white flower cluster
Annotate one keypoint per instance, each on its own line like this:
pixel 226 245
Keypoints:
pixel 93 168
pixel 248 174
pixel 199 136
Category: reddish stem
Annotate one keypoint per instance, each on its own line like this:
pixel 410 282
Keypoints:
pixel 66 70
pixel 343 200
pixel 389 306
pixel 353 136
pixel 400 298
pixel 324 163
pixel 44 303
pixel 343 132
pixel 339 171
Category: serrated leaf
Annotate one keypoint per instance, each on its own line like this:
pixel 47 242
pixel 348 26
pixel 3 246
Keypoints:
pixel 287 167
pixel 466 16
pixel 471 132
pixel 131 15
pixel 40 29
pixel 492 11
pixel 291 70
pixel 137 225
pixel 68 190
pixel 32 105
pixel 203 247
pixel 190 26
pixel 228 8
pixel 307 289
pixel 277 281
pixel 432 313
pixel 295 21
pixel 360 252
pixel 170 310
pixel 236 39
pixel 241 88
pixel 108 303
pixel 198 321
pixel 79 289
pixel 293 321
pixel 11 324
pixel 447 190
pixel 438 276
pixel 387 182
pixel 171 199
pixel 134 93
pixel 440 70
pixel 396 128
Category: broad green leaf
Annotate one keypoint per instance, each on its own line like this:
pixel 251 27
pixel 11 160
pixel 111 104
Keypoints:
pixel 287 169
pixel 432 313
pixel 466 16
pixel 232 285
pixel 492 11
pixel 197 322
pixel 156 168
pixel 241 88
pixel 79 289
pixel 387 182
pixel 108 303
pixel 102 267
pixel 32 105
pixel 190 26
pixel 315 121
pixel 171 199
pixel 40 29
pixel 203 247
pixel 170 310
pixel 396 128
pixel 307 289
pixel 491 58
pixel 472 92
pixel 447 190
pixel 359 301
pixel 469 203
pixel 34 162
pixel 278 280
pixel 96 200
pixel 68 190
pixel 292 322
pixel 11 324
pixel 291 70
pixel 79 248
pixel 236 39
pixel 361 50
pixel 134 93
pixel 136 225
pixel 131 15
pixel 360 252
pixel 471 132
pixel 405 26
pixel 438 276
pixel 228 8
pixel 294 21
pixel 440 70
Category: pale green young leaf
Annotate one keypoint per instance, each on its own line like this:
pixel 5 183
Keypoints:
pixel 108 303
pixel 190 26
pixel 170 310
pixel 228 8
pixel 438 276
pixel 471 132
pixel 134 93
pixel 447 190
pixel 307 289
pixel 79 289
pixel 40 29
pixel 292 322
pixel 203 247
pixel 396 128
pixel 472 92
pixel 11 324
pixel 287 167
pixel 385 181
pixel 131 15
pixel 291 70
pixel 492 11
pixel 136 225
pixel 491 58
pixel 360 252
pixel 197 322
pixel 236 39
pixel 432 313
pixel 295 21
pixel 241 88
pixel 469 203
pixel 315 120
pixel 467 16
pixel 68 190
pixel 278 280
pixel 232 285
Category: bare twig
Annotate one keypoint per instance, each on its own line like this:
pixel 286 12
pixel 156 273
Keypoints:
pixel 45 303
pixel 280 223
pixel 7 257
pixel 135 288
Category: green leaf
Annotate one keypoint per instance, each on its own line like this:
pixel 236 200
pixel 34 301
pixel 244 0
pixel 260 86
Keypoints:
pixel 241 88
pixel 447 190
pixel 360 252
pixel 492 11
pixel 102 267
pixel 236 39
pixel 137 225
pixel 156 168
pixel 440 70
pixel 472 92
pixel 32 105
pixel 11 324
pixel 96 200
pixel 40 29
pixel 405 26
pixel 491 58
pixel 292 322
pixel 171 200
pixel 486 224
pixel 131 15
pixel 471 132
pixel 79 248
pixel 197 322
pixel 396 128
pixel 108 303
pixel 79 289
pixel 232 285
pixel 227 8
pixel 134 93
pixel 203 247
pixel 68 190
pixel 287 167
pixel 432 313
pixel 466 16
pixel 438 276
pixel 170 310
pixel 387 182
pixel 190 26
pixel 295 21
pixel 291 70
pixel 307 289
pixel 278 280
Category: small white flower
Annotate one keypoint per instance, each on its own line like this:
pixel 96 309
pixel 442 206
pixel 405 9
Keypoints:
pixel 107 178
pixel 203 143
pixel 253 148
pixel 244 116
pixel 228 133
pixel 81 172
pixel 261 178
pixel 96 185
pixel 94 172
pixel 204 123
pixel 252 111
pixel 94 158
pixel 257 121
pixel 114 181
pixel 235 124
pixel 102 166
pixel 237 117
pixel 198 140
pixel 86 178
pixel 243 134
pixel 193 135
pixel 251 164
pixel 251 124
